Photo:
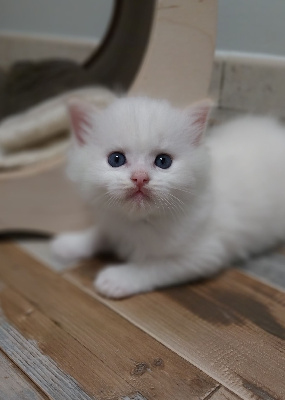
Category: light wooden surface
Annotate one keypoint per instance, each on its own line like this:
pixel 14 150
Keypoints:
pixel 178 62
pixel 222 339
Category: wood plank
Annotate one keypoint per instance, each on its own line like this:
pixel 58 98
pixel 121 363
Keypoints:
pixel 40 369
pixel 224 394
pixel 69 355
pixel 150 368
pixel 231 327
pixel 14 385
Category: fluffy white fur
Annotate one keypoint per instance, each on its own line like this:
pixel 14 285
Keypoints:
pixel 222 198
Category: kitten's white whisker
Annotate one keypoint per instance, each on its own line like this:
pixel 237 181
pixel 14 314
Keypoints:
pixel 169 205
pixel 182 190
pixel 176 198
pixel 173 201
pixel 178 204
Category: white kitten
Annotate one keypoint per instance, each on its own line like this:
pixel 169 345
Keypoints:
pixel 175 207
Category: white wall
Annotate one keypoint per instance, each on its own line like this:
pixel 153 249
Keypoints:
pixel 79 18
pixel 256 26
pixel 243 25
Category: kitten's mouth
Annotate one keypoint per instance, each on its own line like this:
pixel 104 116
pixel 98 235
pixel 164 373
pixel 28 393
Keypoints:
pixel 139 195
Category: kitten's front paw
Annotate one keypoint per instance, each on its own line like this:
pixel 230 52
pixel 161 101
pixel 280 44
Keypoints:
pixel 118 282
pixel 69 247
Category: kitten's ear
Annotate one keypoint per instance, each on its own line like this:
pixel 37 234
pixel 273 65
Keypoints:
pixel 81 115
pixel 198 115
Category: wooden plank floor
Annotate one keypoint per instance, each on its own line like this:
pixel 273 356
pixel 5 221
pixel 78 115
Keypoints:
pixel 223 339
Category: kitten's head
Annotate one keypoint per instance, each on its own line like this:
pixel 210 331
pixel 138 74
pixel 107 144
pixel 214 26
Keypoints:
pixel 139 156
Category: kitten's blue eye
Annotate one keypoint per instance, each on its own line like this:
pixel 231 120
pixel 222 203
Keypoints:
pixel 163 161
pixel 116 159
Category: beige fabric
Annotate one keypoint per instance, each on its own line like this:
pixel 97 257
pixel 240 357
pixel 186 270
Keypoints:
pixel 37 134
pixel 24 157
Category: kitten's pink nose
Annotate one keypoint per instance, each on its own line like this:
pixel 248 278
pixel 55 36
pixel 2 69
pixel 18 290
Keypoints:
pixel 140 178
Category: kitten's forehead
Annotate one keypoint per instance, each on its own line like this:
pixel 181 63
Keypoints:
pixel 142 122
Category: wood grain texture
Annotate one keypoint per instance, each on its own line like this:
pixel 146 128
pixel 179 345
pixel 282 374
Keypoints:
pixel 223 394
pixel 136 396
pixel 147 366
pixel 43 371
pixel 14 385
pixel 70 356
pixel 231 327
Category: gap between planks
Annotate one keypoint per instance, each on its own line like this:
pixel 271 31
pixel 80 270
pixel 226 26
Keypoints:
pixel 15 384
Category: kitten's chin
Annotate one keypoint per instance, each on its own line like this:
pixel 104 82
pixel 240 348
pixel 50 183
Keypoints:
pixel 139 204
pixel 133 204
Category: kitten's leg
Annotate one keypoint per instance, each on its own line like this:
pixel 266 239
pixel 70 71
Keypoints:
pixel 124 280
pixel 72 246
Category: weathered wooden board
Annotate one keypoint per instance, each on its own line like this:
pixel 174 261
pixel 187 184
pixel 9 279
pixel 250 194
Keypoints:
pixel 77 362
pixel 224 394
pixel 55 383
pixel 148 367
pixel 231 327
pixel 14 385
